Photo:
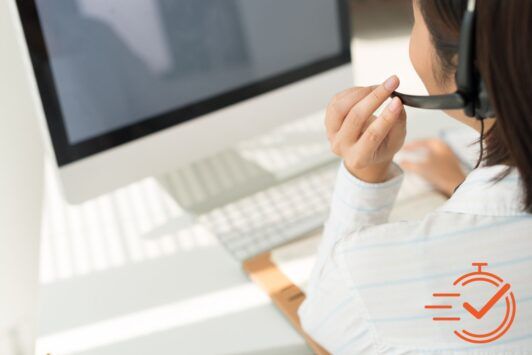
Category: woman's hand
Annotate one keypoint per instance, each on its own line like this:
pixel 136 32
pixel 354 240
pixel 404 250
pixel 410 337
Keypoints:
pixel 439 165
pixel 366 143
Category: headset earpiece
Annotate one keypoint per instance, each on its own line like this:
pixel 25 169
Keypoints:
pixel 483 106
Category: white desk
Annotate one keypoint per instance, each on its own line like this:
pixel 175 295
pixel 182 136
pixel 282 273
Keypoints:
pixel 118 279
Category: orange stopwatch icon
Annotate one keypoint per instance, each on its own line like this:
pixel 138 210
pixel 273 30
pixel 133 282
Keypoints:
pixel 503 294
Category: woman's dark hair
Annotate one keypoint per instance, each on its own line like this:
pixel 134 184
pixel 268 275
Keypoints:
pixel 504 61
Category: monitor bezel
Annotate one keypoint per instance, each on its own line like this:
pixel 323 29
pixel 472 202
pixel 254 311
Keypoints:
pixel 67 153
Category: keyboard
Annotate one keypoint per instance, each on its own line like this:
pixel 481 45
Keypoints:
pixel 275 216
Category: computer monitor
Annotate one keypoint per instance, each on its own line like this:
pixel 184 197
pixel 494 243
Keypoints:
pixel 132 88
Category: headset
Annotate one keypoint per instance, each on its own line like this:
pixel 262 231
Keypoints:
pixel 472 95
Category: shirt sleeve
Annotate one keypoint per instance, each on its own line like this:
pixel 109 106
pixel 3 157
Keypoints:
pixel 355 205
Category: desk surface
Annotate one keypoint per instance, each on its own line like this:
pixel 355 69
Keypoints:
pixel 128 273
pixel 209 308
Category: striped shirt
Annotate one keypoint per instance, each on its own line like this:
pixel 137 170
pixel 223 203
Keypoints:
pixel 388 288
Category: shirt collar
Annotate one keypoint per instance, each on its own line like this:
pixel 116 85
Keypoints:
pixel 481 194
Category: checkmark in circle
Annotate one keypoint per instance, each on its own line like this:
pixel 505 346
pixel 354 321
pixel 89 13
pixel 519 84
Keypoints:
pixel 478 314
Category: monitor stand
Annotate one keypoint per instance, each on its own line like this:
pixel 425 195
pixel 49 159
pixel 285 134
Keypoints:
pixel 273 158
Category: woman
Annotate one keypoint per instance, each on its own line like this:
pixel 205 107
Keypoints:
pixel 373 279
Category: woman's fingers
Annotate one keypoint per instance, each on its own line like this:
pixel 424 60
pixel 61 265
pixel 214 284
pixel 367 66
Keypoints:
pixel 431 145
pixel 350 127
pixel 411 166
pixel 376 133
pixel 441 167
pixel 339 107
pixel 356 120
pixel 416 145
pixel 369 104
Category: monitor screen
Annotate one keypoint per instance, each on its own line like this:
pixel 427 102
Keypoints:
pixel 110 71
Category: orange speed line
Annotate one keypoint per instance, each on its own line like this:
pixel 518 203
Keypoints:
pixel 446 294
pixel 437 306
